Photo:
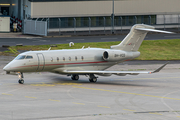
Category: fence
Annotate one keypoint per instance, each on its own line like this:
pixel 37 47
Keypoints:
pixel 35 27
pixel 97 25
pixel 103 25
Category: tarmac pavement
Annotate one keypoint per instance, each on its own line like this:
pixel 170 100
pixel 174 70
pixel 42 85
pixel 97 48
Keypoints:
pixel 48 96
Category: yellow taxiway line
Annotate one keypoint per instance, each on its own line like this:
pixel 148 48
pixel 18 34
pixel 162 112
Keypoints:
pixel 155 113
pixel 30 97
pixel 129 110
pixel 103 106
pixel 79 103
pixel 126 93
pixel 7 94
pixel 54 100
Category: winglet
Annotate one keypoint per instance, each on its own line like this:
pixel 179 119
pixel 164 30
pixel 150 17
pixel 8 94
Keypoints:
pixel 157 70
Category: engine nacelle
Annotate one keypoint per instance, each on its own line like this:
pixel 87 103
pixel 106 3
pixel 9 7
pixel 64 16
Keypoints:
pixel 117 55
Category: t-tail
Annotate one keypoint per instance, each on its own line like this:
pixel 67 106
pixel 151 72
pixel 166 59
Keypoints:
pixel 134 39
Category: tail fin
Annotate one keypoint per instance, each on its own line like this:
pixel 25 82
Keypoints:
pixel 135 37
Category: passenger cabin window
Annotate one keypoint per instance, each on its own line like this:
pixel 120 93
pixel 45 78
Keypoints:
pixel 51 59
pixel 76 58
pixel 58 59
pixel 69 58
pixel 63 58
pixel 20 57
pixel 29 57
pixel 82 57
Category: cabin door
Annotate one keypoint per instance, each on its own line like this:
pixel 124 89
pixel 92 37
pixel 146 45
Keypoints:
pixel 41 62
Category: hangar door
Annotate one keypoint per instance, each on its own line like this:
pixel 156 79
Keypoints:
pixel 35 27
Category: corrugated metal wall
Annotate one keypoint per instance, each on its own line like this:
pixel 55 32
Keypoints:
pixel 103 8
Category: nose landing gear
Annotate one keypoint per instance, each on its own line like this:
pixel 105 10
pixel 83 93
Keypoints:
pixel 92 78
pixel 20 75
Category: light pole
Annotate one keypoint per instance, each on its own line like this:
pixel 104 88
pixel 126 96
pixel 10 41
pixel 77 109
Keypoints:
pixel 113 17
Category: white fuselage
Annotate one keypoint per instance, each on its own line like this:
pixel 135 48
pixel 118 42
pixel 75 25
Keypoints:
pixel 74 59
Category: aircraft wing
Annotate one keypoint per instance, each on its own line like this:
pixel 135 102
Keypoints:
pixel 115 72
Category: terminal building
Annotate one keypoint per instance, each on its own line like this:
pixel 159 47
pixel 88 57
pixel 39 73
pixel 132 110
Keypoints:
pixel 94 13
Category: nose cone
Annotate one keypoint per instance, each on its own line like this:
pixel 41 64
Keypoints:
pixel 9 67
pixel 6 68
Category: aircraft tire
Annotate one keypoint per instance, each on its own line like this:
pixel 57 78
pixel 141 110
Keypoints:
pixel 90 80
pixel 93 80
pixel 21 81
pixel 72 77
pixel 75 77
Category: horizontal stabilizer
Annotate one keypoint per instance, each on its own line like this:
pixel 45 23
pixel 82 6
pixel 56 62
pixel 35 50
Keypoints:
pixel 153 30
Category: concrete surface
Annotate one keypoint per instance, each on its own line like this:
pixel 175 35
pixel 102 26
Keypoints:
pixel 47 96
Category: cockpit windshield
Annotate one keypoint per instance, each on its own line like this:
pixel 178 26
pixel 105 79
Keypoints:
pixel 20 57
pixel 28 57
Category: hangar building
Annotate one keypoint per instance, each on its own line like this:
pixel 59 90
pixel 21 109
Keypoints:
pixel 95 13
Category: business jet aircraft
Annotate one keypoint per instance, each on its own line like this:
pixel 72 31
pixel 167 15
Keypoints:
pixel 88 61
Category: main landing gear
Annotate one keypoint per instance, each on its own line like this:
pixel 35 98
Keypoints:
pixel 92 78
pixel 75 77
pixel 20 75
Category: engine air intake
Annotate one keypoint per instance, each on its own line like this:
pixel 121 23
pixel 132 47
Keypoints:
pixel 105 55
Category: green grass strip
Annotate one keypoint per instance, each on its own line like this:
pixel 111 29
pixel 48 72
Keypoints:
pixel 150 49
